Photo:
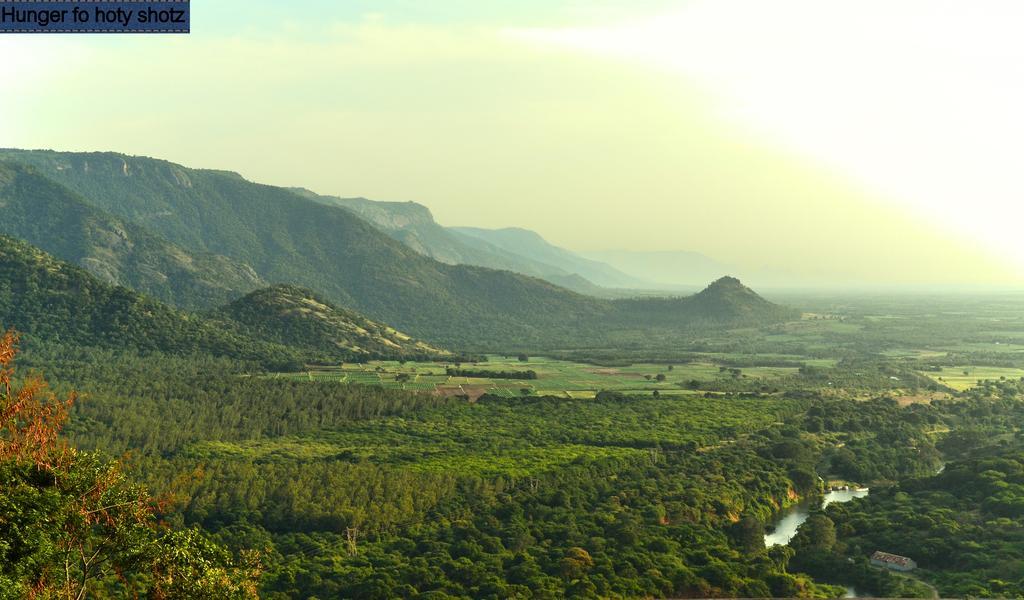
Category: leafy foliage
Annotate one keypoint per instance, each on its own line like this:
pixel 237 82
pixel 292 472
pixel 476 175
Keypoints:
pixel 71 523
pixel 962 526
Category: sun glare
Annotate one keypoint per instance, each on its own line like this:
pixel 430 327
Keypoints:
pixel 916 101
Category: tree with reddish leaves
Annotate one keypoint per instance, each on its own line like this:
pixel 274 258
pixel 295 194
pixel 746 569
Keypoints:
pixel 73 525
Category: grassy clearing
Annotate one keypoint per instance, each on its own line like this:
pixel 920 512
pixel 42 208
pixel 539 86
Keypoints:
pixel 912 353
pixel 965 377
pixel 554 377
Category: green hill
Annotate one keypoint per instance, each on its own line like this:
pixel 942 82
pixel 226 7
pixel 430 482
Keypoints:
pixel 726 302
pixel 59 221
pixel 53 302
pixel 299 318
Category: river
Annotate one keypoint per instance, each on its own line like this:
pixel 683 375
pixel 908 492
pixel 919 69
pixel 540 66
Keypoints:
pixel 791 518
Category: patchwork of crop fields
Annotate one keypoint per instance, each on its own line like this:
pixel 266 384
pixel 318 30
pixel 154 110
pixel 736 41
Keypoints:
pixel 554 377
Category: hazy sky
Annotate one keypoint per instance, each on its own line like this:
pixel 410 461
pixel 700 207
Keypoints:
pixel 843 142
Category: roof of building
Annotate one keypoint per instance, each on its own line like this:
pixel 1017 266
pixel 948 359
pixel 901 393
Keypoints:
pixel 894 559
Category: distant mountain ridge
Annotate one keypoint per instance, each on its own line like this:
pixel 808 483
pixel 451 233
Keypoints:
pixel 531 245
pixel 408 222
pixel 288 238
pixel 414 225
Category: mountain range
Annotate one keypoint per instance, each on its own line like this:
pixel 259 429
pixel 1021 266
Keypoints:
pixel 511 249
pixel 605 273
pixel 196 238
pixel 531 245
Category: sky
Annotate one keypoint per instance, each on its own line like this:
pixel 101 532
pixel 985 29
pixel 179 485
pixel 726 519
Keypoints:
pixel 842 143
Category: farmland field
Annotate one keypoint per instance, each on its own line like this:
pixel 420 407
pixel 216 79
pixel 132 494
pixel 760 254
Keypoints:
pixel 965 377
pixel 554 377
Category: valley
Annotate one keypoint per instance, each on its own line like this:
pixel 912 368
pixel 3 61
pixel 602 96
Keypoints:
pixel 342 456
pixel 332 413
pixel 560 300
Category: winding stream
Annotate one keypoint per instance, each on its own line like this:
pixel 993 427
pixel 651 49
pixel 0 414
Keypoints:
pixel 791 518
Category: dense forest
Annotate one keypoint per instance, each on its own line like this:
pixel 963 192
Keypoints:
pixel 349 490
pixel 298 506
pixel 356 491
pixel 962 526
pixel 75 525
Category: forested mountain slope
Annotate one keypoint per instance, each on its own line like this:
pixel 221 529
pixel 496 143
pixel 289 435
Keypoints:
pixel 53 302
pixel 59 221
pixel 287 238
